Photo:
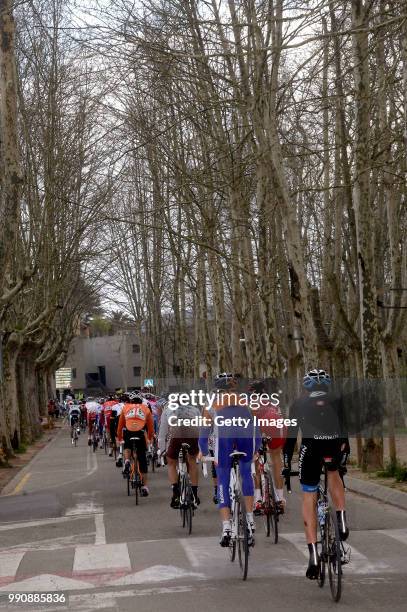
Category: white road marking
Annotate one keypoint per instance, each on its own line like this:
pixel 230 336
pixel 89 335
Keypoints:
pixel 156 573
pixel 89 602
pixel 359 563
pixel 202 552
pixel 47 583
pixel 397 534
pixel 54 543
pixel 100 535
pixel 91 462
pixel 40 522
pixel 108 556
pixel 86 504
pixel 9 563
pixel 297 540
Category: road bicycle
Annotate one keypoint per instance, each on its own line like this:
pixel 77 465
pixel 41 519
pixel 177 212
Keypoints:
pixel 186 496
pixel 241 538
pixel 133 477
pixel 333 554
pixel 105 440
pixel 75 433
pixel 95 437
pixel 270 510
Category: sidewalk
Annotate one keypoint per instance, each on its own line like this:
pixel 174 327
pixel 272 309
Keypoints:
pixel 20 461
pixel 382 493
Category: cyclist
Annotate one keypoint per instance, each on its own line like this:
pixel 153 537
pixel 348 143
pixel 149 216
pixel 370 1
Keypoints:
pixel 84 412
pixel 114 422
pixel 260 391
pixel 93 410
pixel 243 438
pixel 171 437
pixel 136 421
pixel 107 415
pixel 74 418
pixel 319 416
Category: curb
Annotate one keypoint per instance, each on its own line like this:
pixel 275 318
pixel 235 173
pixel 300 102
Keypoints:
pixel 379 492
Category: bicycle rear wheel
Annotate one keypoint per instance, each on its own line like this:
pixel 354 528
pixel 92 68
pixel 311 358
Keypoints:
pixel 105 444
pixel 266 504
pixel 322 557
pixel 334 555
pixel 274 513
pixel 137 481
pixel 242 540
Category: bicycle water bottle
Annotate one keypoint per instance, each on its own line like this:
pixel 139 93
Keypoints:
pixel 321 512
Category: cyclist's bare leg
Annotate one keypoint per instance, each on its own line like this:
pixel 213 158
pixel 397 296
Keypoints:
pixel 172 470
pixel 225 514
pixel 193 470
pixel 277 468
pixel 248 502
pixel 336 490
pixel 309 514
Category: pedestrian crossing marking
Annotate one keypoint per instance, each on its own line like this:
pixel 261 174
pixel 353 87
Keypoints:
pixel 106 556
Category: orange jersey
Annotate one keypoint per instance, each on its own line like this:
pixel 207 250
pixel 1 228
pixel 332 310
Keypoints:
pixel 135 417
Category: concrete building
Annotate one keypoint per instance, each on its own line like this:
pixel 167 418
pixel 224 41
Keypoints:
pixel 105 362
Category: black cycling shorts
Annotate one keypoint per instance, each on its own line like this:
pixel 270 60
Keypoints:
pixel 112 429
pixel 311 460
pixel 141 447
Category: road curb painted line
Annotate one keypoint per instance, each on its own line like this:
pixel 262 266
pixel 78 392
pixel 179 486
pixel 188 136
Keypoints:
pixel 378 492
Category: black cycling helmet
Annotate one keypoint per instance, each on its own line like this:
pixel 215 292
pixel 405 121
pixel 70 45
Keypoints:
pixel 257 386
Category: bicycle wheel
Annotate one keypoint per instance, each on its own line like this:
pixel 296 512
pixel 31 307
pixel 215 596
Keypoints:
pixel 76 440
pixel 95 444
pixel 128 484
pixel 137 482
pixel 105 444
pixel 266 505
pixel 243 540
pixel 322 557
pixel 274 513
pixel 334 555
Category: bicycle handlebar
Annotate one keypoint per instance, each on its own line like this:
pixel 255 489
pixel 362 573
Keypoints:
pixel 205 461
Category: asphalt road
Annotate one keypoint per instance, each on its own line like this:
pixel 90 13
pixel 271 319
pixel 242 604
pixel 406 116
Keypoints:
pixel 67 526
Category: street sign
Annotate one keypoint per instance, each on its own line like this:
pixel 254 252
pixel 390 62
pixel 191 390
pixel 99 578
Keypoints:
pixel 149 382
pixel 63 378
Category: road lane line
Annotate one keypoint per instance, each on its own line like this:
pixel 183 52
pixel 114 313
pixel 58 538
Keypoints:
pixel 107 556
pixel 9 563
pixel 21 484
pixel 100 535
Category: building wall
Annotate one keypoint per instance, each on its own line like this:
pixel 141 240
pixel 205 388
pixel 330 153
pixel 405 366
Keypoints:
pixel 114 353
